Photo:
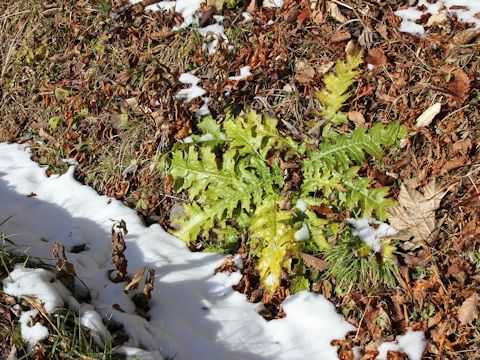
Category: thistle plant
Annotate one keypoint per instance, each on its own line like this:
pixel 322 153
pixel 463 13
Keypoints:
pixel 235 186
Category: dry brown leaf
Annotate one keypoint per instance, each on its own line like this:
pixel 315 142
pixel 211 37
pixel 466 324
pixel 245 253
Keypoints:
pixel 439 18
pixel 136 280
pixel 252 7
pixel 61 262
pixel 459 87
pixel 465 37
pixel 340 35
pixel 314 262
pixel 303 16
pixel 335 13
pixel 324 68
pixel 356 117
pixel 304 72
pixel 376 57
pixel 428 115
pixel 366 37
pixel 468 312
pixel 119 247
pixel 414 214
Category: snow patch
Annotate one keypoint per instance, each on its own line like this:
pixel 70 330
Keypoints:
pixel 31 333
pixel 237 260
pixel 244 73
pixel 204 110
pixel 42 285
pixel 247 16
pixel 412 343
pixel 38 283
pixel 371 231
pixel 193 91
pixel 188 79
pixel 303 234
pixel 301 205
pixel 187 8
pixel 213 33
pixel 136 353
pixel 411 15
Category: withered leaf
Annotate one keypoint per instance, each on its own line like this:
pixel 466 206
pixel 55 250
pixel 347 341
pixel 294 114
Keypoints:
pixel 366 37
pixel 314 261
pixel 459 86
pixel 303 16
pixel 335 13
pixel 428 115
pixel 356 117
pixel 136 280
pixel 468 312
pixel 376 57
pixel 304 72
pixel 414 214
pixel 323 211
pixel 436 19
pixel 340 35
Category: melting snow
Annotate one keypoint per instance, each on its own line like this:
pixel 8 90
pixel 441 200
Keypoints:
pixel 412 344
pixel 465 10
pixel 31 333
pixel 39 283
pixel 371 231
pixel 301 205
pixel 213 33
pixel 187 8
pixel 193 91
pixel 194 314
pixel 302 234
pixel 244 73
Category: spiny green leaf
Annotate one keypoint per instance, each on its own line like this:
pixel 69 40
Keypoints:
pixel 210 129
pixel 335 93
pixel 252 134
pixel 274 229
pixel 367 201
pixel 237 181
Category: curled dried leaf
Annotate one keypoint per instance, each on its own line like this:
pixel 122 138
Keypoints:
pixel 119 247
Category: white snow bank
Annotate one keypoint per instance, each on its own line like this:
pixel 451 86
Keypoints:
pixel 194 314
pixel 466 13
pixel 42 284
pixel 412 344
pixel 371 231
pixel 244 73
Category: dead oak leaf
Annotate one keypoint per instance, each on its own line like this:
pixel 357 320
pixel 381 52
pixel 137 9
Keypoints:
pixel 468 312
pixel 304 72
pixel 414 214
pixel 459 87
pixel 376 57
